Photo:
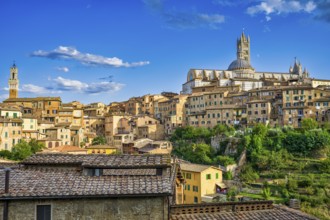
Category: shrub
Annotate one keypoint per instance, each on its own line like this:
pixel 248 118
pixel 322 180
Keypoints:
pixel 305 182
pixel 292 185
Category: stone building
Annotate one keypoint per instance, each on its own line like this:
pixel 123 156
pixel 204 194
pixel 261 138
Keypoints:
pixel 57 186
pixel 240 73
pixel 172 112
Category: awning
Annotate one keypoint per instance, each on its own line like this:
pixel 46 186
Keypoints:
pixel 221 185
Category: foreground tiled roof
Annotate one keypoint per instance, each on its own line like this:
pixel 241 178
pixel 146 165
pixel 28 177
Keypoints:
pixel 57 183
pixel 101 161
pixel 262 210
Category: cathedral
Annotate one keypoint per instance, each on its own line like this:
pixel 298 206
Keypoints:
pixel 241 74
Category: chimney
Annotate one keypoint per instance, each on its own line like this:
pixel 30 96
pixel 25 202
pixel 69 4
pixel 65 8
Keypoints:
pixel 7 174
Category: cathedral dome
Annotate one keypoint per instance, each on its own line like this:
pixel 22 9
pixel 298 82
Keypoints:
pixel 239 64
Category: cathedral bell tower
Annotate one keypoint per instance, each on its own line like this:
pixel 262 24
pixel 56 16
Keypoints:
pixel 243 48
pixel 13 82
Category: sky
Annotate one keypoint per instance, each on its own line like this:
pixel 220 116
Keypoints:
pixel 111 50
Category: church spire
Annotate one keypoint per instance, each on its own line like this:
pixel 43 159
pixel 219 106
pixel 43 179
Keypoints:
pixel 243 48
pixel 13 82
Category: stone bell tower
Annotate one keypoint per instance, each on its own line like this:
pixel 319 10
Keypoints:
pixel 243 48
pixel 13 82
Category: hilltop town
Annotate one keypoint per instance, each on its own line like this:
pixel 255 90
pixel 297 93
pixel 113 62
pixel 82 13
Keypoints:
pixel 131 141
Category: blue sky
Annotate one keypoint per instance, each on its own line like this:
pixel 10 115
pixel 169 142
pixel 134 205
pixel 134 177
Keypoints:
pixel 112 50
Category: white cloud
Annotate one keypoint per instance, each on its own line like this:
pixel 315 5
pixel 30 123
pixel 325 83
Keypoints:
pixel 30 88
pixel 63 69
pixel 89 88
pixel 269 7
pixel 71 53
pixel 68 84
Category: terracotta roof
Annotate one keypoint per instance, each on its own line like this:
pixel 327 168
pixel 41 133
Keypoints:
pixel 33 99
pixel 67 148
pixel 75 128
pixel 194 167
pixel 237 211
pixel 56 183
pixel 18 120
pixel 100 160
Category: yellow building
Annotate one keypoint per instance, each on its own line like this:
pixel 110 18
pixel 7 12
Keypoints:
pixel 200 180
pixel 101 149
pixel 29 127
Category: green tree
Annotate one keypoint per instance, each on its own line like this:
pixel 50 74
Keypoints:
pixel 99 140
pixel 309 124
pixel 201 153
pixel 5 154
pixel 21 150
pixel 25 149
pixel 248 174
pixel 224 160
pixel 36 146
pixel 228 175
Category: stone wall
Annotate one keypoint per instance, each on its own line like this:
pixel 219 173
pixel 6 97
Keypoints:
pixel 92 209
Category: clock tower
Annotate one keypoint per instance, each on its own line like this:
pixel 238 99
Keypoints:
pixel 13 82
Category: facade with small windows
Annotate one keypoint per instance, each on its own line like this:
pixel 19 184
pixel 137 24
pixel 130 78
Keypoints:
pixel 200 180
pixel 45 108
pixel 29 128
pixel 59 133
pixel 172 112
pixel 258 111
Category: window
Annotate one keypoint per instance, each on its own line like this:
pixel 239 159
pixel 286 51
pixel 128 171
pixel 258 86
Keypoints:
pixel 208 176
pixel 217 175
pixel 195 199
pixel 188 187
pixel 188 175
pixel 195 188
pixel 43 212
